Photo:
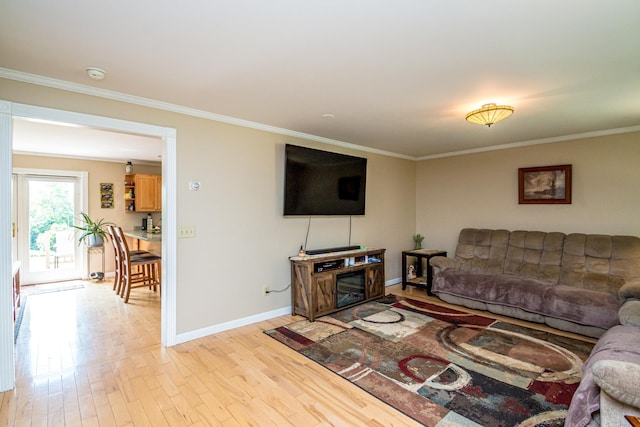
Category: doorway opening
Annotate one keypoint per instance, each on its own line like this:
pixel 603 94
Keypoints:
pixel 8 112
pixel 47 204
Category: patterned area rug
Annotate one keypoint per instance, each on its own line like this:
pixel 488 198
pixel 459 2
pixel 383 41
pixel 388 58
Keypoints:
pixel 445 367
pixel 19 318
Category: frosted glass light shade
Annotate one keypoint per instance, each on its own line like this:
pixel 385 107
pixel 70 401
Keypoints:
pixel 489 114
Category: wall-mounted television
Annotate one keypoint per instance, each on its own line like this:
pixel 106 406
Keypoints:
pixel 323 183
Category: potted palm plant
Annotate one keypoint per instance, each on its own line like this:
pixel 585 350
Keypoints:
pixel 93 233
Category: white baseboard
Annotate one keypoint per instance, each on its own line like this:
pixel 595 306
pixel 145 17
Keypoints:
pixel 393 281
pixel 214 329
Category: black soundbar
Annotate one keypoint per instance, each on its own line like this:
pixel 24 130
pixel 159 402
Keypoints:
pixel 327 250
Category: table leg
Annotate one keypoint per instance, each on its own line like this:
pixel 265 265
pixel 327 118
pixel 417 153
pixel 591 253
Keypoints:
pixel 429 277
pixel 404 272
pixel 419 261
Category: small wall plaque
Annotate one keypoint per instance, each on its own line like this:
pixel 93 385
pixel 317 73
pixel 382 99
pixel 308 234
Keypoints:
pixel 106 195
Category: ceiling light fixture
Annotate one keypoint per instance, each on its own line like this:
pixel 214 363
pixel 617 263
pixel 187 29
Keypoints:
pixel 96 73
pixel 489 114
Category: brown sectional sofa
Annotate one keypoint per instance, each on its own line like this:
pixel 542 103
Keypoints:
pixel 573 282
pixel 583 283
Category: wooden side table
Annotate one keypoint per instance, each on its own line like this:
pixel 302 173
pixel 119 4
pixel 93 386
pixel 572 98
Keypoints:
pixel 422 257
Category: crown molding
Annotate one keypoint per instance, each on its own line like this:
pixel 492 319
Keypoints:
pixel 584 135
pixel 174 108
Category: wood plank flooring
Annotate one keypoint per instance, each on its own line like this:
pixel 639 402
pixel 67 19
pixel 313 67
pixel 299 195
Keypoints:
pixel 86 359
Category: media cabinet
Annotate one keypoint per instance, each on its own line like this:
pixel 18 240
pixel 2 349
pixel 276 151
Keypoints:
pixel 325 283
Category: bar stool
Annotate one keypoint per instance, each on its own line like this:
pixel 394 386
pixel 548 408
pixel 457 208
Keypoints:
pixel 148 268
pixel 117 281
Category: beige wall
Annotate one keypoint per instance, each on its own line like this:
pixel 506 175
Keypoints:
pixel 98 172
pixel 481 190
pixel 242 240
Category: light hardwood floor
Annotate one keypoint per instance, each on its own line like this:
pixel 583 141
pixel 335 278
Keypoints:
pixel 86 359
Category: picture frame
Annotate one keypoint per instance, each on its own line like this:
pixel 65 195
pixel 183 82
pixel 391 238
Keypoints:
pixel 106 195
pixel 544 185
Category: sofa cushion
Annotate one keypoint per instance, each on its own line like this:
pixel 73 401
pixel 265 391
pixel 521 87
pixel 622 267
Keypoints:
pixel 599 262
pixel 535 254
pixel 585 306
pixel 504 289
pixel 482 250
pixel 619 379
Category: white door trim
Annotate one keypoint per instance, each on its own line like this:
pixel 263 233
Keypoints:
pixel 9 110
pixel 7 361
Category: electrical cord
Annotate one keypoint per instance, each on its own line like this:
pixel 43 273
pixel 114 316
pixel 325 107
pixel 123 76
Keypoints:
pixel 350 218
pixel 306 238
pixel 278 290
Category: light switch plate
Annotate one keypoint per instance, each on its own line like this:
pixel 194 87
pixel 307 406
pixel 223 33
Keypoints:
pixel 186 231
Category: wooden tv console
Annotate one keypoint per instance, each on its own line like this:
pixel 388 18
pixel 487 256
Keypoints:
pixel 314 278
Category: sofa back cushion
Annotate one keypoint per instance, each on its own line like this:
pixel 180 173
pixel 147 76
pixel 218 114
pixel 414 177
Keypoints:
pixel 482 250
pixel 535 254
pixel 599 262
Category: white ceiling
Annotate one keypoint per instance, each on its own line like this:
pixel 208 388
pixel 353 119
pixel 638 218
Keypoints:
pixel 398 76
pixel 33 137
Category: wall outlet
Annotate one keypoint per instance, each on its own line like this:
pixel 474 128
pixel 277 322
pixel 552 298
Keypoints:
pixel 186 231
pixel 266 290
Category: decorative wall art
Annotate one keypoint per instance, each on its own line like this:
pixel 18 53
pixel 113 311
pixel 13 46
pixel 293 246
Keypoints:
pixel 106 195
pixel 544 185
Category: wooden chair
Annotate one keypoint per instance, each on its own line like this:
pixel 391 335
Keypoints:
pixel 119 258
pixel 148 268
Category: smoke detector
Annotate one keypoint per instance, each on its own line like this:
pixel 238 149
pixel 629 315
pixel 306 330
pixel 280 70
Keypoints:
pixel 96 73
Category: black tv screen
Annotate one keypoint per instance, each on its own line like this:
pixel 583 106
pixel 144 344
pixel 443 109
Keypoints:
pixel 323 183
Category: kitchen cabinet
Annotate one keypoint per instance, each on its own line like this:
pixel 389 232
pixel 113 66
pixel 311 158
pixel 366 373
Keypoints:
pixel 143 193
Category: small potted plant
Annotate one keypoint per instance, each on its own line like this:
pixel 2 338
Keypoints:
pixel 417 239
pixel 93 233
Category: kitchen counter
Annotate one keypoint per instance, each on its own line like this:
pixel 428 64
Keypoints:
pixel 151 242
pixel 143 235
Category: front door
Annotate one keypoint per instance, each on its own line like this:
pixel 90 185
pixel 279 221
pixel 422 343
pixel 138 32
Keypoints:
pixel 47 207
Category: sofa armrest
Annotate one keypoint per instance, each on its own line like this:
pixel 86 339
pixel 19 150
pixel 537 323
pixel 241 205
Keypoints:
pixel 620 380
pixel 630 290
pixel 629 313
pixel 440 263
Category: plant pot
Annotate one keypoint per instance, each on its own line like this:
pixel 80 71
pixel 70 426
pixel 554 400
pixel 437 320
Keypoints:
pixel 94 241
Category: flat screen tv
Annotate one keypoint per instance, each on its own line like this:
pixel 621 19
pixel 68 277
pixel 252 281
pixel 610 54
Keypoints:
pixel 323 183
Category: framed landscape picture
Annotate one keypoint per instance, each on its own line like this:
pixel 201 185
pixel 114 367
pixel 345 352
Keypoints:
pixel 544 185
